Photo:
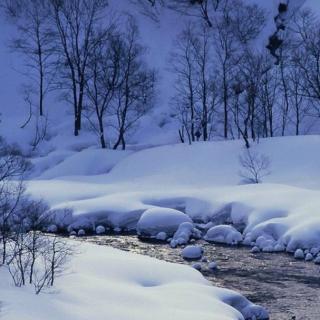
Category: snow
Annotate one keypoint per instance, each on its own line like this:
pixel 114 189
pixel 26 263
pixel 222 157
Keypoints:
pixel 223 234
pixel 85 162
pixel 157 220
pixel 200 184
pixel 192 252
pixel 103 281
pixel 184 233
pixel 100 230
pixel 298 254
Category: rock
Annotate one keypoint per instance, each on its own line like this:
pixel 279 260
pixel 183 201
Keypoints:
pixel 100 230
pixel 192 252
pixel 299 254
pixel 72 233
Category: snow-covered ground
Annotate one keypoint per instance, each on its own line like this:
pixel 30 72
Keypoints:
pixel 202 182
pixel 105 283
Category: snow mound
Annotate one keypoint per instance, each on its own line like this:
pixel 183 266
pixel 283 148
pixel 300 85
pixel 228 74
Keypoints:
pixel 192 252
pixel 157 220
pixel 223 234
pixel 86 162
pixel 182 236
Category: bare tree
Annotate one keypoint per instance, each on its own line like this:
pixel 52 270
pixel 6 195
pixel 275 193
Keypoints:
pixel 135 95
pixel 104 81
pixel 254 166
pixel 183 64
pixel 13 167
pixel 196 91
pixel 79 25
pixel 34 41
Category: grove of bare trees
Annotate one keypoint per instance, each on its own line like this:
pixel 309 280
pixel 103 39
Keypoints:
pixel 228 84
pixel 90 57
pixel 231 87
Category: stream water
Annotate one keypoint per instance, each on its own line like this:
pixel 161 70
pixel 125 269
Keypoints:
pixel 289 289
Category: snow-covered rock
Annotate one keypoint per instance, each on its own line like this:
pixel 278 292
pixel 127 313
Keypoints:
pixel 223 234
pixel 308 257
pixel 81 233
pixel 255 249
pixel 317 260
pixel 157 220
pixel 314 251
pixel 185 231
pixel 162 236
pixel 192 252
pixel 279 247
pixel 213 266
pixel 299 254
pixel 100 230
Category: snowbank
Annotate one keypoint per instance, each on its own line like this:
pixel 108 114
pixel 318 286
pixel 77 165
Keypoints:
pixel 200 184
pixel 104 282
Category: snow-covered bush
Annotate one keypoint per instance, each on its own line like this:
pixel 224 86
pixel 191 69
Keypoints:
pixel 254 166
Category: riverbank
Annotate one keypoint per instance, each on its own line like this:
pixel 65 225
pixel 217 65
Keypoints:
pixel 287 288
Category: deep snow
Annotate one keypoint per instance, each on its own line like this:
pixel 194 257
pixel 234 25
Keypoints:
pixel 105 283
pixel 202 182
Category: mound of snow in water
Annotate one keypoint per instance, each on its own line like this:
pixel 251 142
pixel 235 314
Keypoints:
pixel 192 252
pixel 223 234
pixel 185 231
pixel 157 220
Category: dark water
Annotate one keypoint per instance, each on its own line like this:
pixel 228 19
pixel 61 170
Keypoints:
pixel 287 288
